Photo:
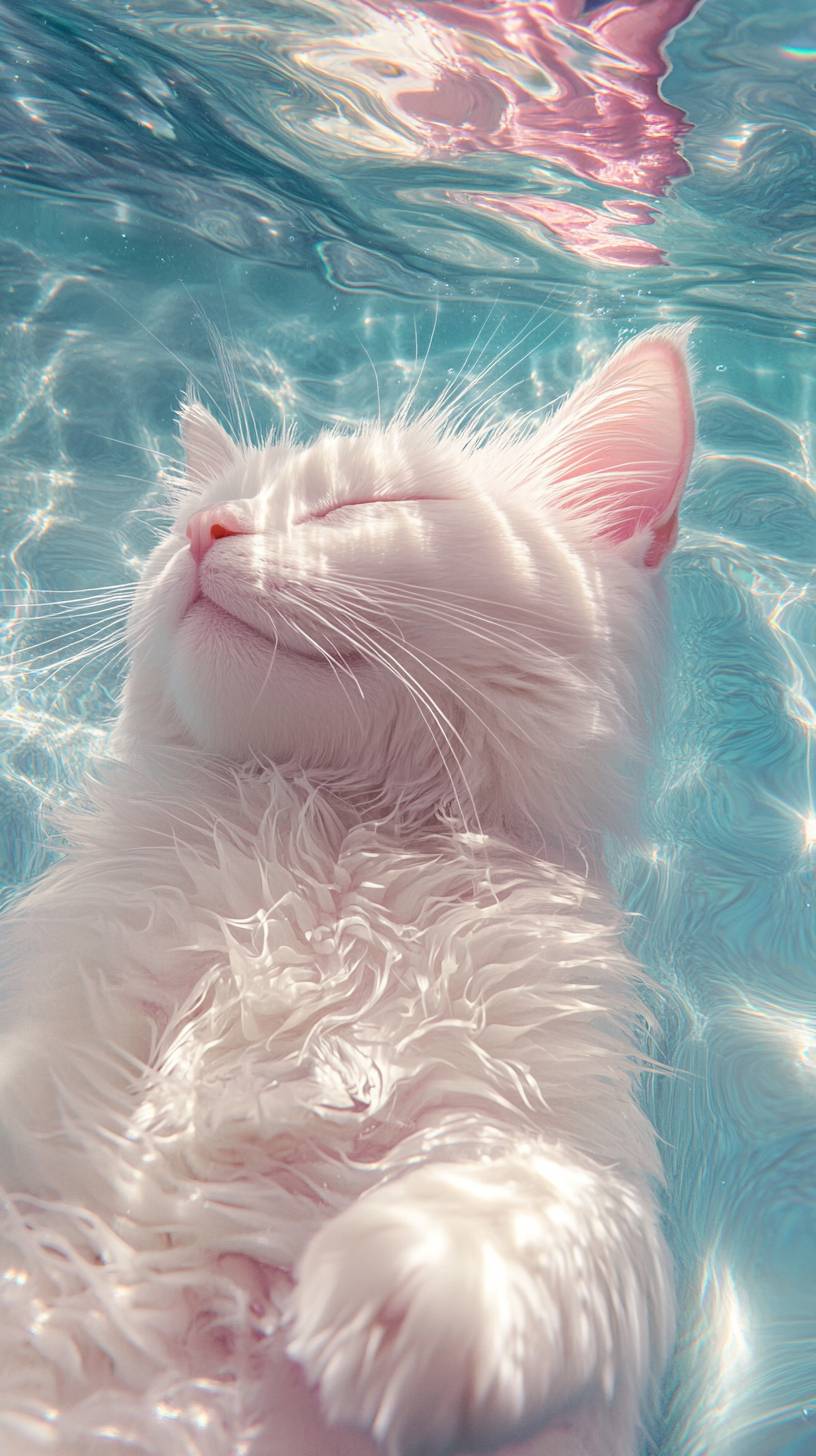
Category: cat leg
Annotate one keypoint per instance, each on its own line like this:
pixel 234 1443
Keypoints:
pixel 464 1307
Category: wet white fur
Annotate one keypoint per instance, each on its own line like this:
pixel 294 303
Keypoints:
pixel 319 1122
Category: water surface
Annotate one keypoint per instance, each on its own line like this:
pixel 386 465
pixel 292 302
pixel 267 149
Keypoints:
pixel 332 187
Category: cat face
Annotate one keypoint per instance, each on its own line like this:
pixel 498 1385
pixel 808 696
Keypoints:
pixel 436 620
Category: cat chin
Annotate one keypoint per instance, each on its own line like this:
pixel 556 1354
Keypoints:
pixel 216 628
pixel 240 696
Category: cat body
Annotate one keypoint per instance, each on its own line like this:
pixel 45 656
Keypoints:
pixel 319 1114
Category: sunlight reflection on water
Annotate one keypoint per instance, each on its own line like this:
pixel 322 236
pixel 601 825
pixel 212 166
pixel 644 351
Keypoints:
pixel 321 176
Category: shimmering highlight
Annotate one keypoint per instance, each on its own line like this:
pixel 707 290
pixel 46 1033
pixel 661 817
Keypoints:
pixel 261 159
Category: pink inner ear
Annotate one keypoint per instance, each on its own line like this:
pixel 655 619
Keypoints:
pixel 621 447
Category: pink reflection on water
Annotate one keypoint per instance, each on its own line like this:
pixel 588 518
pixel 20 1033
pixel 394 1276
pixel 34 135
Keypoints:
pixel 573 84
pixel 597 236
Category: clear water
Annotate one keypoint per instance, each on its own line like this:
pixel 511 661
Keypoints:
pixel 322 181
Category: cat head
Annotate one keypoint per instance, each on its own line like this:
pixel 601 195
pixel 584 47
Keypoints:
pixel 445 622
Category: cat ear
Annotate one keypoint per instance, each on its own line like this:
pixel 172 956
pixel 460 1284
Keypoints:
pixel 618 451
pixel 208 449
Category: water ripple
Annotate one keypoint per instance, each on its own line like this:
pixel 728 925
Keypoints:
pixel 332 183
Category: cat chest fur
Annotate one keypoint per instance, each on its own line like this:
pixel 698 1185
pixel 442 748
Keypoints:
pixel 321 1007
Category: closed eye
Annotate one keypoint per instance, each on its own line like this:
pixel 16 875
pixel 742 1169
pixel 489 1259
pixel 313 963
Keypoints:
pixel 377 500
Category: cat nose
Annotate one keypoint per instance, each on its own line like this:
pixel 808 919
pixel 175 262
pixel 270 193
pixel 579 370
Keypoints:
pixel 208 526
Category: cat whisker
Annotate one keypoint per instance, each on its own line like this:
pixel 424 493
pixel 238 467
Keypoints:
pixel 376 381
pixel 335 665
pixel 171 352
pixel 297 600
pixel 132 445
pixel 449 388
pixel 423 657
pixel 26 658
pixel 70 593
pixel 405 408
pixel 502 635
pixel 423 700
pixel 427 606
pixel 105 664
pixel 480 426
pixel 91 645
pixel 443 593
pixel 28 609
pixel 271 666
pixel 54 611
pixel 333 626
pixel 146 507
pixel 453 405
pixel 354 591
pixel 229 374
pixel 445 406
pixel 105 639
pixel 45 667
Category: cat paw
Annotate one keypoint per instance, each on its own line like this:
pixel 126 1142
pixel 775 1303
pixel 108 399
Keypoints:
pixel 451 1310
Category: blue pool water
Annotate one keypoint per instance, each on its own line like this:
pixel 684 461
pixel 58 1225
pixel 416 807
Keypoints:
pixel 333 185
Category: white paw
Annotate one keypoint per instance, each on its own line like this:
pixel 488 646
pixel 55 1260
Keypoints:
pixel 462 1307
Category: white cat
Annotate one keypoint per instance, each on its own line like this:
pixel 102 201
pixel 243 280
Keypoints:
pixel 317 1077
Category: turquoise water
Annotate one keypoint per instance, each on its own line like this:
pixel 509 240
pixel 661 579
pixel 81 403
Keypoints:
pixel 338 189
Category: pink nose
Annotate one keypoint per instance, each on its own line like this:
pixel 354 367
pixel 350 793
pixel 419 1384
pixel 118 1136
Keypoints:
pixel 211 525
